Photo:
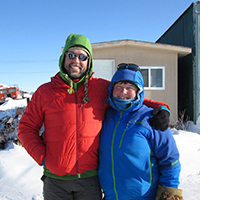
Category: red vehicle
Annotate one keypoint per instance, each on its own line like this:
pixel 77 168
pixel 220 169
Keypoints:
pixel 10 91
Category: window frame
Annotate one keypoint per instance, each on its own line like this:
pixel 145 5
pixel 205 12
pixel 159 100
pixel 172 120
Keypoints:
pixel 149 76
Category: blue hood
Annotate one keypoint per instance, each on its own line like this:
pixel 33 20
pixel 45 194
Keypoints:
pixel 129 75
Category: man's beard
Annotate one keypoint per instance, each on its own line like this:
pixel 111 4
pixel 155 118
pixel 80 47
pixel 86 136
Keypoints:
pixel 74 75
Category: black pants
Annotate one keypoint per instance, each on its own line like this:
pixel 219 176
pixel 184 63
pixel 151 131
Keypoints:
pixel 79 189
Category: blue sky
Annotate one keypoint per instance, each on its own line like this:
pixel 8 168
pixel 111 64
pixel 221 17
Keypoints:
pixel 33 32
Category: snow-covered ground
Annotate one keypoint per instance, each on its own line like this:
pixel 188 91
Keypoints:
pixel 20 174
pixel 188 144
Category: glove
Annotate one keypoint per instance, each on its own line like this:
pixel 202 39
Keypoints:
pixel 166 193
pixel 169 196
pixel 161 119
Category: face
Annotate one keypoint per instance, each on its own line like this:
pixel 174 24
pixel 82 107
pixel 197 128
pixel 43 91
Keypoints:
pixel 124 91
pixel 75 68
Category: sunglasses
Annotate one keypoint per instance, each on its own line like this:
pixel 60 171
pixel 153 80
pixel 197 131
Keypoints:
pixel 72 55
pixel 130 66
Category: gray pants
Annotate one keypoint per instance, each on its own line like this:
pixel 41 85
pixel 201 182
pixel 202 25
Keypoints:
pixel 79 189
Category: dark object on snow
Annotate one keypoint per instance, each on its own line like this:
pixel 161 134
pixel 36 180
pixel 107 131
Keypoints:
pixel 7 131
pixel 2 145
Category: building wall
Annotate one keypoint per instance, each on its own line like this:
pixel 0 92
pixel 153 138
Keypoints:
pixel 186 32
pixel 148 57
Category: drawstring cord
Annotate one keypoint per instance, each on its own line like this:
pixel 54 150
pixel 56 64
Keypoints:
pixel 70 90
pixel 86 98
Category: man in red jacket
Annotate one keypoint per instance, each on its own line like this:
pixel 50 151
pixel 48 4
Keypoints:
pixel 72 108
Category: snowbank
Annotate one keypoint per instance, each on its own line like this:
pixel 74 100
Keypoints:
pixel 191 127
pixel 188 144
pixel 12 104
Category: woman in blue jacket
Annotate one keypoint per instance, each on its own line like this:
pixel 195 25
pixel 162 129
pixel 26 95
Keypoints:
pixel 136 161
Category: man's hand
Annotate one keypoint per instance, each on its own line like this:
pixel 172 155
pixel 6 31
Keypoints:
pixel 161 118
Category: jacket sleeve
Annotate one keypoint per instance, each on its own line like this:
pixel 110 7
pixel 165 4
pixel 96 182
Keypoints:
pixel 28 130
pixel 167 155
pixel 154 104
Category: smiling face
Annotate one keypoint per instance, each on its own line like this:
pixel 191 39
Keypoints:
pixel 76 68
pixel 124 90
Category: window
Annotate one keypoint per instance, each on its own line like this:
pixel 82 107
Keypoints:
pixel 12 90
pixel 154 77
pixel 3 91
pixel 103 68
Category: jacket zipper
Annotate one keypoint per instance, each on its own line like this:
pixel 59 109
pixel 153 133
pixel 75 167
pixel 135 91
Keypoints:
pixel 126 130
pixel 82 107
pixel 112 144
pixel 151 174
pixel 123 135
pixel 77 132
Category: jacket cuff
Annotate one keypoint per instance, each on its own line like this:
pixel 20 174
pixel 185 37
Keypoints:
pixel 165 108
pixel 174 191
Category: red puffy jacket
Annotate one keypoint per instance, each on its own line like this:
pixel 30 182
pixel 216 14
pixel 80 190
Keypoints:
pixel 71 137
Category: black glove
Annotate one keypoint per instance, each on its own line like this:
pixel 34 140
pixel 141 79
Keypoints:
pixel 161 119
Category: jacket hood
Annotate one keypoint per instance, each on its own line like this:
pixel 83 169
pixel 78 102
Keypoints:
pixel 128 75
pixel 82 42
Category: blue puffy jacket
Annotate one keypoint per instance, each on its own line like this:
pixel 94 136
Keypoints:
pixel 134 157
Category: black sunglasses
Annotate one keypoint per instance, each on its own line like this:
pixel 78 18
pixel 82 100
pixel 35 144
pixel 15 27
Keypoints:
pixel 72 55
pixel 130 66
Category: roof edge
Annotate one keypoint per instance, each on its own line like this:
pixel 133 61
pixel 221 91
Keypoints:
pixel 182 51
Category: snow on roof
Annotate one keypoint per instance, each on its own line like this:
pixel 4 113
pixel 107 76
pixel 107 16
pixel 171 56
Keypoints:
pixel 2 86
